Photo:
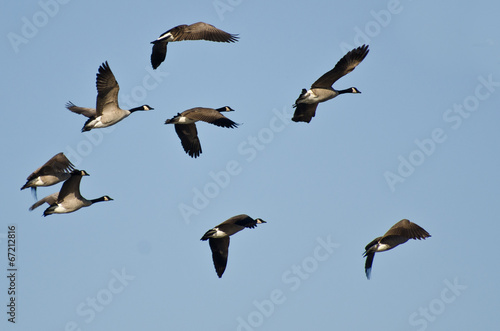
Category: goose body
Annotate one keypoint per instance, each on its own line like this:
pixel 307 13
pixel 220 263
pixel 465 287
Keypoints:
pixel 107 111
pixel 186 128
pixel 196 31
pixel 52 172
pixel 68 199
pixel 398 234
pixel 218 238
pixel 321 90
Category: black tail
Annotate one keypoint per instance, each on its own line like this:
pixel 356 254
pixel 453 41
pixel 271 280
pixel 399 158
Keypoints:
pixel 208 234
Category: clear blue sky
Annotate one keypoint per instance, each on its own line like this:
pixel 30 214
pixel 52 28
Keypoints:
pixel 420 142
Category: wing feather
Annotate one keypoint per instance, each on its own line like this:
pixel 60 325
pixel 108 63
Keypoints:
pixel 220 251
pixel 50 199
pixel 87 112
pixel 189 139
pixel 107 90
pixel 344 66
pixel 201 31
pixel 304 112
pixel 211 116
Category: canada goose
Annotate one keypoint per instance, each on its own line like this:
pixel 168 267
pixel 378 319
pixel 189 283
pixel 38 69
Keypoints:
pixel 322 90
pixel 186 128
pixel 218 238
pixel 196 31
pixel 68 199
pixel 400 233
pixel 107 111
pixel 52 172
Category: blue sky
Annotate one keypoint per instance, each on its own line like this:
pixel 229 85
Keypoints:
pixel 419 142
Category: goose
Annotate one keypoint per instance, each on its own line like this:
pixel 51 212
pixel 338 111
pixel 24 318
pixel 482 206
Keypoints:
pixel 218 238
pixel 55 170
pixel 68 199
pixel 398 234
pixel 107 111
pixel 186 128
pixel 322 90
pixel 196 31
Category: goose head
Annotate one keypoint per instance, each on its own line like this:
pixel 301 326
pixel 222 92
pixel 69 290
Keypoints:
pixel 225 108
pixel 79 173
pixel 146 107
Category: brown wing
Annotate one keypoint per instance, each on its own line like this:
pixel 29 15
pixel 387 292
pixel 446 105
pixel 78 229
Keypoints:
pixel 58 163
pixel 189 139
pixel 50 199
pixel 408 230
pixel 220 250
pixel 88 112
pixel 107 89
pixel 158 53
pixel 242 220
pixel 393 240
pixel 368 264
pixel 304 112
pixel 201 31
pixel 345 65
pixel 211 116
pixel 71 187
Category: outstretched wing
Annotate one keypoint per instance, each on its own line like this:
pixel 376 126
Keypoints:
pixel 158 53
pixel 201 31
pixel 50 199
pixel 71 187
pixel 345 65
pixel 189 139
pixel 107 89
pixel 304 112
pixel 57 164
pixel 220 249
pixel 211 116
pixel 368 264
pixel 408 230
pixel 88 112
pixel 242 220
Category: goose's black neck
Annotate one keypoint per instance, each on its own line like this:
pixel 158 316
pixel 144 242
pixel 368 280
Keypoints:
pixel 136 109
pixel 347 90
pixel 98 199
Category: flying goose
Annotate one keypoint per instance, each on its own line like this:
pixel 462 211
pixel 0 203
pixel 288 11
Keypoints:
pixel 107 111
pixel 196 31
pixel 52 172
pixel 218 238
pixel 322 90
pixel 68 199
pixel 186 128
pixel 400 233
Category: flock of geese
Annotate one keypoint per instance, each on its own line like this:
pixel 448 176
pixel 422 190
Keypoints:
pixel 107 112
